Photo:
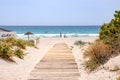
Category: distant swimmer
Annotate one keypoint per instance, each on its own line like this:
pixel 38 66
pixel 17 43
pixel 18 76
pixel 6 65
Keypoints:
pixel 65 36
pixel 60 34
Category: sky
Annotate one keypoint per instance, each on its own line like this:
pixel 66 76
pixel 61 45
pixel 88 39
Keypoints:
pixel 57 12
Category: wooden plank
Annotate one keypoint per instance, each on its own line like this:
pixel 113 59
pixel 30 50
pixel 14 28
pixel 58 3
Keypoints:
pixel 57 64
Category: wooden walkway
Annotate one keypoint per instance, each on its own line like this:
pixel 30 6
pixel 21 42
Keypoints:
pixel 57 64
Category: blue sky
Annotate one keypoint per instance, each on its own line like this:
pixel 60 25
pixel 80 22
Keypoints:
pixel 57 12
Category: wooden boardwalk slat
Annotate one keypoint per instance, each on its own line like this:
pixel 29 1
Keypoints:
pixel 57 64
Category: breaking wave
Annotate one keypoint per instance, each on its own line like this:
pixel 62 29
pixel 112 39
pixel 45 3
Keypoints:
pixel 57 35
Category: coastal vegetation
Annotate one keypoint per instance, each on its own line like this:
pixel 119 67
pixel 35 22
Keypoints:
pixel 97 53
pixel 80 43
pixel 110 33
pixel 108 44
pixel 10 47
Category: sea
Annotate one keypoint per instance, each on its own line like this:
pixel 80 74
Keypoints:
pixel 54 31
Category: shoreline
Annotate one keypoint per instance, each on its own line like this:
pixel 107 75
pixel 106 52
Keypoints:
pixel 72 35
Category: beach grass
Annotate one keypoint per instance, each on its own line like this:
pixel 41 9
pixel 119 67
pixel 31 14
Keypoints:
pixel 97 53
pixel 80 43
pixel 10 47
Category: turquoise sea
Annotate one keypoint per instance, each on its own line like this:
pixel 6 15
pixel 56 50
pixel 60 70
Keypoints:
pixel 54 31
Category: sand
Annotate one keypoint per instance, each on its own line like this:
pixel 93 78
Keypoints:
pixel 22 68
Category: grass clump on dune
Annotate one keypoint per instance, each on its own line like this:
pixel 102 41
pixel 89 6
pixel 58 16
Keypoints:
pixel 10 47
pixel 97 53
pixel 80 43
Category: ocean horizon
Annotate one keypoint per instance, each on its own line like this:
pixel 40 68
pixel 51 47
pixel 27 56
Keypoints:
pixel 54 31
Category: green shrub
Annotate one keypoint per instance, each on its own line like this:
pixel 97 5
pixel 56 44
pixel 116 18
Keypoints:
pixel 6 51
pixel 30 43
pixel 19 53
pixel 110 33
pixel 108 44
pixel 97 53
pixel 10 47
pixel 21 43
pixel 10 40
pixel 92 64
pixel 79 43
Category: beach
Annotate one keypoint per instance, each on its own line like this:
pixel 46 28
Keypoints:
pixel 21 69
pixel 59 40
pixel 55 31
pixel 49 36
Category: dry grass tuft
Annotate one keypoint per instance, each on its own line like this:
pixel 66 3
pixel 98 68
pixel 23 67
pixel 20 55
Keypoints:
pixel 97 53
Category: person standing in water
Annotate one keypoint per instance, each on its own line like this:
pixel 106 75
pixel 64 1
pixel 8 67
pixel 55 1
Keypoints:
pixel 60 34
pixel 65 36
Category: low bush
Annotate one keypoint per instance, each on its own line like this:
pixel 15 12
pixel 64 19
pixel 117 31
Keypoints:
pixel 10 47
pixel 30 43
pixel 21 43
pixel 19 53
pixel 79 43
pixel 5 51
pixel 110 33
pixel 91 65
pixel 97 53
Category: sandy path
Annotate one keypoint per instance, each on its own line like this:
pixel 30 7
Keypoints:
pixel 57 64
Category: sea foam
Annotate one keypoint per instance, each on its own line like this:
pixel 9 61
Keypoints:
pixel 57 35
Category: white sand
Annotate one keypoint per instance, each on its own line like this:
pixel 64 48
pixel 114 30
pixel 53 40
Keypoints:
pixel 22 68
pixel 99 74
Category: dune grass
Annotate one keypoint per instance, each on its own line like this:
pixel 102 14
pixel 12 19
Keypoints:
pixel 80 43
pixel 97 53
pixel 10 47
